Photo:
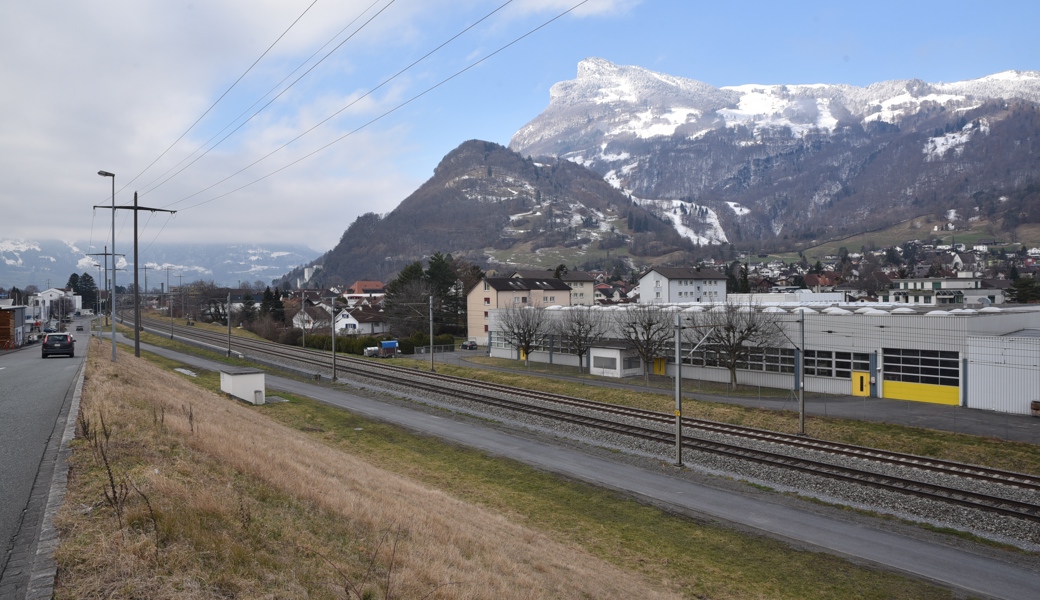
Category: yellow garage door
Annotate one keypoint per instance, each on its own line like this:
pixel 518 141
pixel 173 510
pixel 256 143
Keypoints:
pixel 922 392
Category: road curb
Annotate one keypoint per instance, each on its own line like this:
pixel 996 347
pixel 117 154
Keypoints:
pixel 43 568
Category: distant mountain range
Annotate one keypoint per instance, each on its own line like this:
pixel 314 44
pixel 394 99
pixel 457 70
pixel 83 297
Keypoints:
pixel 49 262
pixel 630 165
pixel 796 163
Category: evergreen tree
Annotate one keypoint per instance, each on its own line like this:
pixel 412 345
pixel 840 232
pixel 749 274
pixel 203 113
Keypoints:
pixel 277 308
pixel 267 302
pixel 248 309
pixel 745 285
pixel 73 283
pixel 1024 291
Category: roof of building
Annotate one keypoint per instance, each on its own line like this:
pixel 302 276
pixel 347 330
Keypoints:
pixel 516 284
pixel 577 276
pixel 688 273
pixel 366 316
pixel 362 286
pixel 532 273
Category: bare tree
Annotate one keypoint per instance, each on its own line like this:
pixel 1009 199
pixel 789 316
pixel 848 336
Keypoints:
pixel 734 329
pixel 522 328
pixel 648 328
pixel 581 327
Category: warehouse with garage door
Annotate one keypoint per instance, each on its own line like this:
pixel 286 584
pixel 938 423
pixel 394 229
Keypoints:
pixel 985 358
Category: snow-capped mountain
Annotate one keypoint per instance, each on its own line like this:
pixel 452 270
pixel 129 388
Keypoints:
pixel 805 161
pixel 50 263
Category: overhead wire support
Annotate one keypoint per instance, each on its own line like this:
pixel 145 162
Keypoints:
pixel 137 287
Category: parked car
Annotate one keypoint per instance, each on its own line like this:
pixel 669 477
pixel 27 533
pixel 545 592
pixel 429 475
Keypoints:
pixel 49 330
pixel 470 345
pixel 79 328
pixel 58 343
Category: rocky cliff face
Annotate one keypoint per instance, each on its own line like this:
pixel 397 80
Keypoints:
pixel 483 197
pixel 787 164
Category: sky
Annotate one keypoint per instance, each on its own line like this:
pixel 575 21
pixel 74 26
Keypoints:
pixel 175 98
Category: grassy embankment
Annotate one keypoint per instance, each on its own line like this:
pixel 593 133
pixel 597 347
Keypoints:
pixel 176 491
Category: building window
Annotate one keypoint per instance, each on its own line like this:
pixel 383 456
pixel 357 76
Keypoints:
pixel 933 367
pixel 631 362
pixel 485 314
pixel 819 363
pixel 604 362
pixel 485 328
pixel 487 301
pixel 846 362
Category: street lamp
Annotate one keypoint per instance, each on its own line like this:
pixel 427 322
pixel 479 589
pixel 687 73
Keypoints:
pixel 112 292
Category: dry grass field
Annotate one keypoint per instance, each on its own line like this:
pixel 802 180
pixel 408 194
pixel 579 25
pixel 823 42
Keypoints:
pixel 178 492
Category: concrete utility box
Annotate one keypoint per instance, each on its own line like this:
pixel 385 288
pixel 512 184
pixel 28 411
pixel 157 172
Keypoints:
pixel 244 383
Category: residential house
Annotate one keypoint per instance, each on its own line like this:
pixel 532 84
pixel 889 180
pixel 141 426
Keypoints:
pixel 13 328
pixel 821 282
pixel 55 303
pixel 582 286
pixel 681 284
pixel 311 317
pixel 364 291
pixel 943 290
pixel 508 292
pixel 359 321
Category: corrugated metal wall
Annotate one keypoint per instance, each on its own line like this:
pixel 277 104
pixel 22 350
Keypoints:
pixel 1003 373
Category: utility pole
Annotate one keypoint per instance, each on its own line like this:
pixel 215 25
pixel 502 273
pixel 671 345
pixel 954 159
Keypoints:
pixel 333 311
pixel 137 288
pixel 180 290
pixel 112 299
pixel 678 388
pixel 228 315
pixel 145 267
pixel 169 300
pixel 432 370
pixel 801 376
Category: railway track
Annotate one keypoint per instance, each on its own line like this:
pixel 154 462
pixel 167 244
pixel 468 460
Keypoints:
pixel 784 451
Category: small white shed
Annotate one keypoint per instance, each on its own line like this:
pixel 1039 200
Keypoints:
pixel 614 361
pixel 244 383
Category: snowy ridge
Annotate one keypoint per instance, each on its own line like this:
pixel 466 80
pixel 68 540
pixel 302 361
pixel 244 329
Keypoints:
pixel 24 262
pixel 619 101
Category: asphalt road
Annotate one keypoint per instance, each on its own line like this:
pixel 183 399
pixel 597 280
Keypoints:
pixel 981 571
pixel 33 393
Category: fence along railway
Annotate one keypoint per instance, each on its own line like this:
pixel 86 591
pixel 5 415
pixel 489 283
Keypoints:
pixel 1004 493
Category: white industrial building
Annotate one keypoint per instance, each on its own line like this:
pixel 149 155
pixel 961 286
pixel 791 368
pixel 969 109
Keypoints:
pixel 987 358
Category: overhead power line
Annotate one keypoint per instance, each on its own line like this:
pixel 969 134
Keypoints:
pixel 350 104
pixel 272 100
pixel 370 122
pixel 226 92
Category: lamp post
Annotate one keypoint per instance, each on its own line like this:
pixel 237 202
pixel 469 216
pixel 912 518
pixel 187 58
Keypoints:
pixel 113 290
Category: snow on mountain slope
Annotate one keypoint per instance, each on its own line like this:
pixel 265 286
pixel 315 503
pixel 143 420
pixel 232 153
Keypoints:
pixel 618 101
pixel 26 262
pixel 774 160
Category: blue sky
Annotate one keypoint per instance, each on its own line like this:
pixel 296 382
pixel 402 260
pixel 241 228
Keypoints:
pixel 111 84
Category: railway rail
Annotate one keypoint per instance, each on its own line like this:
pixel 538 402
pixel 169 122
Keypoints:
pixel 786 451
